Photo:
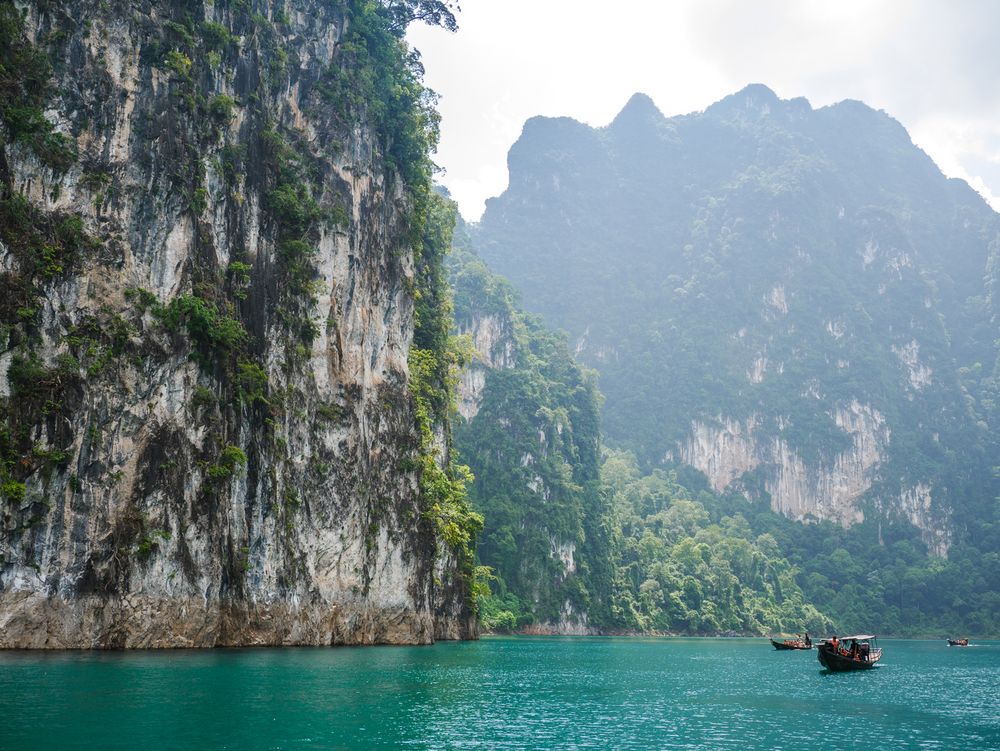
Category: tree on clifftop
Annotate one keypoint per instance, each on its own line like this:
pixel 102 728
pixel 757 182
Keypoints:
pixel 434 12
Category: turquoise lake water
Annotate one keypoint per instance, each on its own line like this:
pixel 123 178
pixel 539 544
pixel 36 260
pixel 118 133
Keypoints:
pixel 516 693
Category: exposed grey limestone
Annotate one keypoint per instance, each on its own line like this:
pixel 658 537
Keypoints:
pixel 727 449
pixel 131 541
pixel 492 339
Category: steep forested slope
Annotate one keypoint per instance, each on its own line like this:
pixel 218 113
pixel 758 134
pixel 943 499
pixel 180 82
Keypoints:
pixel 582 543
pixel 529 430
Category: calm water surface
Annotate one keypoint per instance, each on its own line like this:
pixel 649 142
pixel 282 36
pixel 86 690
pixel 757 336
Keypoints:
pixel 517 693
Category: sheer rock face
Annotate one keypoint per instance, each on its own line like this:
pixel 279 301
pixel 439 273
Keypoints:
pixel 569 623
pixel 140 534
pixel 728 449
pixel 761 294
pixel 832 489
pixel 917 504
pixel 493 340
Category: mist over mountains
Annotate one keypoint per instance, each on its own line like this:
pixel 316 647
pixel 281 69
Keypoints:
pixel 793 317
pixel 729 372
pixel 796 302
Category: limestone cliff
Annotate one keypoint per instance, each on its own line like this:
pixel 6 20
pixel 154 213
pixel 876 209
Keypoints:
pixel 738 455
pixel 492 339
pixel 207 275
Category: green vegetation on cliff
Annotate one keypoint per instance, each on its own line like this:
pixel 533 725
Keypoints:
pixel 533 446
pixel 435 358
pixel 881 577
pixel 804 575
pixel 207 302
pixel 25 88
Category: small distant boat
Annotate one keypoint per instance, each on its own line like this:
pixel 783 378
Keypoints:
pixel 849 653
pixel 792 644
pixel 958 642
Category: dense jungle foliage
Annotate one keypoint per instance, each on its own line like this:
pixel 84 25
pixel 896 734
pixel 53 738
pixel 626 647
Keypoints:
pixel 684 563
pixel 812 576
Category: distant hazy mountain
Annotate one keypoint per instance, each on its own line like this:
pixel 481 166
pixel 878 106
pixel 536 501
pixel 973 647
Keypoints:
pixel 794 301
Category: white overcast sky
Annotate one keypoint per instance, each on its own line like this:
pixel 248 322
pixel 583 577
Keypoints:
pixel 932 64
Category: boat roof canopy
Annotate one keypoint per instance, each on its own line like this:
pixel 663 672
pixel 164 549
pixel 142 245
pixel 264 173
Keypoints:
pixel 861 637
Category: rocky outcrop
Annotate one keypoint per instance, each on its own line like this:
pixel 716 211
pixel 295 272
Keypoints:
pixel 920 374
pixel 727 450
pixel 916 505
pixel 492 338
pixel 569 623
pixel 209 436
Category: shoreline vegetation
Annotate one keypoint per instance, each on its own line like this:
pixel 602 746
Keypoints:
pixel 605 634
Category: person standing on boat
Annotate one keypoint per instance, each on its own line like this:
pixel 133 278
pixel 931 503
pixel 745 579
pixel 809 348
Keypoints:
pixel 807 640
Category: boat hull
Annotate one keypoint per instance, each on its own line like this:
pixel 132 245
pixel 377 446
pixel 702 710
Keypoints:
pixel 838 663
pixel 785 645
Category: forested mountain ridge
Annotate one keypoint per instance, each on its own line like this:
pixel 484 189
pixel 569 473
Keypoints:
pixel 224 352
pixel 230 357
pixel 794 301
pixel 580 542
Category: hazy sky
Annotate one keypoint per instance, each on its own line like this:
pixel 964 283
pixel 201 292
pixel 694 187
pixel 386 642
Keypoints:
pixel 931 64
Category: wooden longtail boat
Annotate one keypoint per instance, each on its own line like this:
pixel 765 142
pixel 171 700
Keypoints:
pixel 958 642
pixel 841 658
pixel 791 644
